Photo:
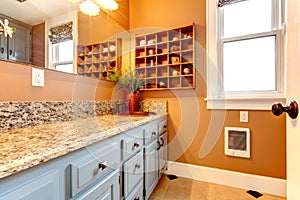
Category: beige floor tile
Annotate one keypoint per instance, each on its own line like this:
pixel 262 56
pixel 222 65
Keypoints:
pixel 188 189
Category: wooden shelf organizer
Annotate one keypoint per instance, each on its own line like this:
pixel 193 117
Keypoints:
pixel 100 59
pixel 166 59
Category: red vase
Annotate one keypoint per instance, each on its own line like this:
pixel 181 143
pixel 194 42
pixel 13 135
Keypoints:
pixel 133 100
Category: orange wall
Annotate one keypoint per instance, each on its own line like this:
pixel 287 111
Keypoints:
pixel 190 121
pixel 16 85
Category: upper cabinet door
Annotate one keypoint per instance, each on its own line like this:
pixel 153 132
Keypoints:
pixel 3 47
pixel 19 47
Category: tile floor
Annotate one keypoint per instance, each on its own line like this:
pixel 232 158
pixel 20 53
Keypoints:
pixel 186 189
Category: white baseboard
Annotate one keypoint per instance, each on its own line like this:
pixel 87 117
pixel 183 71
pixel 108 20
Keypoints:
pixel 269 185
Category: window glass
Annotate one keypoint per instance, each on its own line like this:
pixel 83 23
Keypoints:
pixel 63 51
pixel 247 17
pixel 250 64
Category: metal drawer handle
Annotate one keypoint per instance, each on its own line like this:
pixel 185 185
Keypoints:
pixel 102 166
pixel 10 52
pixel 136 198
pixel 159 145
pixel 137 166
pixel 2 50
pixel 162 142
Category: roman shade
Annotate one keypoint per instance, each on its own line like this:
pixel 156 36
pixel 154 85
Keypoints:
pixel 222 3
pixel 61 33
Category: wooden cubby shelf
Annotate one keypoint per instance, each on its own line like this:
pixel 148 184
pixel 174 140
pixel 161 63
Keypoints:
pixel 100 59
pixel 166 59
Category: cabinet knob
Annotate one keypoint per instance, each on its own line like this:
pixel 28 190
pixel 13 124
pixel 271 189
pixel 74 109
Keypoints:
pixel 165 126
pixel 153 133
pixel 136 198
pixel 137 166
pixel 102 166
pixel 136 145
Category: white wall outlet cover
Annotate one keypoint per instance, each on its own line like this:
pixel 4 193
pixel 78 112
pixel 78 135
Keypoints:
pixel 38 77
pixel 243 116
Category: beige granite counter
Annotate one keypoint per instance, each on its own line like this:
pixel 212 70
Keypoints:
pixel 23 148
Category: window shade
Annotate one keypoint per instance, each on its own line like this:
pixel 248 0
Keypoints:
pixel 222 3
pixel 61 33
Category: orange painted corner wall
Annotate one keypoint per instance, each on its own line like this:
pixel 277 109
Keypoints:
pixel 190 122
pixel 15 80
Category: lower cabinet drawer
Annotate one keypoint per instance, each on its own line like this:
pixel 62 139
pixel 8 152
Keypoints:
pixel 132 173
pixel 137 193
pixel 132 143
pixel 93 166
pixel 106 189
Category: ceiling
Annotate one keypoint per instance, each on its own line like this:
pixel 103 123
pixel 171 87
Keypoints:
pixel 34 12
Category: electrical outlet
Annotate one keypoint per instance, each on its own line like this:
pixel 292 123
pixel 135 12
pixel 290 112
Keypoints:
pixel 38 77
pixel 243 116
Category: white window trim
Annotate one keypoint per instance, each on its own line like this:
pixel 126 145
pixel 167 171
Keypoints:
pixel 70 16
pixel 217 100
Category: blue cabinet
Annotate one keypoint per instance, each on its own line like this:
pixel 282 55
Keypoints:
pixel 45 186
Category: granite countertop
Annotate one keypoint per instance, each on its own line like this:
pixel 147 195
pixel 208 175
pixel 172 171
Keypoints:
pixel 22 148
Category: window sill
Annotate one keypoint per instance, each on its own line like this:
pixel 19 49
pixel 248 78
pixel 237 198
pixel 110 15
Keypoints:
pixel 243 103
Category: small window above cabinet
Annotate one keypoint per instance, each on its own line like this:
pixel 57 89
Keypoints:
pixel 100 60
pixel 166 59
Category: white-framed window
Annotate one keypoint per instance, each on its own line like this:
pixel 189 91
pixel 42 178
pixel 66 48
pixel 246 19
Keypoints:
pixel 63 56
pixel 62 34
pixel 245 45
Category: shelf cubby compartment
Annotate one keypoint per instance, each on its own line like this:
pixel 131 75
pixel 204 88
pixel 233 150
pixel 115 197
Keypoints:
pixel 187 81
pixel 162 60
pixel 162 83
pixel 151 39
pixel 141 72
pixel 151 83
pixel 151 72
pixel 174 82
pixel 162 48
pixel 140 41
pixel 187 57
pixel 187 44
pixel 162 71
pixel 174 70
pixel 174 35
pixel 162 37
pixel 151 61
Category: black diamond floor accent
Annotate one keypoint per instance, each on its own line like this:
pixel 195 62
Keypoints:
pixel 254 193
pixel 172 177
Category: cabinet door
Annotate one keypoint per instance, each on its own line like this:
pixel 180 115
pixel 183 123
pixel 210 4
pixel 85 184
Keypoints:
pixel 3 47
pixel 151 167
pixel 163 151
pixel 19 47
pixel 44 187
